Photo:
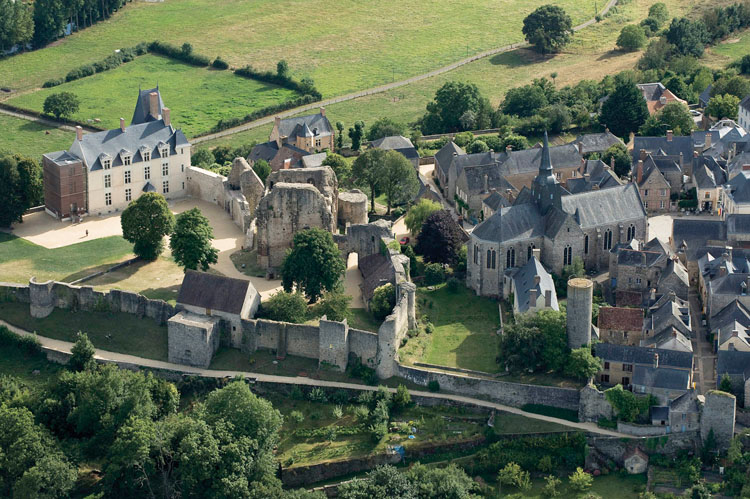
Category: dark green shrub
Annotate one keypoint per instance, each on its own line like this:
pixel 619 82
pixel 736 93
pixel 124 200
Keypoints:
pixel 383 300
pixel 434 273
pixel 179 53
pixel 53 83
pixel 453 285
pixel 220 63
pixel 433 385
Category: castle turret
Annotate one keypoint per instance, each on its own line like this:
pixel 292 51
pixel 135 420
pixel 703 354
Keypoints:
pixel 580 300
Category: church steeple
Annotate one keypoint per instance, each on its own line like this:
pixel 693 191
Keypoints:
pixel 545 189
pixel 545 167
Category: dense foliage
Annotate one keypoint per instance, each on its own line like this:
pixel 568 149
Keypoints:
pixel 61 105
pixel 145 222
pixel 20 186
pixel 313 265
pixel 285 307
pixel 625 110
pixel 419 482
pixel 191 241
pixel 548 28
pixel 440 239
pixel 454 101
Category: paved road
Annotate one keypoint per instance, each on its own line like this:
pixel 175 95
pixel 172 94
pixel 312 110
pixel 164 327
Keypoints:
pixel 704 370
pixel 382 88
pixel 106 356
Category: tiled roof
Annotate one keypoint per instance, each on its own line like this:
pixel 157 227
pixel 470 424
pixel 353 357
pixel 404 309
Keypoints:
pixel 619 318
pixel 213 292
pixel 643 355
pixel 660 377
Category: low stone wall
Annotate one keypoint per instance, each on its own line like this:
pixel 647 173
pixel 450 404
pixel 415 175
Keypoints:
pixel 638 430
pixel 605 451
pixel 14 292
pixel 502 392
pixel 304 475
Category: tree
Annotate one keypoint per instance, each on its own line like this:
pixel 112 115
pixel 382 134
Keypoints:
pixel 313 265
pixel 557 116
pixel 61 105
pixel 631 38
pixel 16 24
pixel 477 146
pixel 380 483
pixel 434 273
pixel 622 159
pixel 366 172
pixel 285 307
pixel 440 239
pixel 51 476
pixel 145 222
pixel 514 476
pixel 262 169
pixel 187 48
pixel 524 101
pixel 657 54
pixel 700 491
pixel 334 305
pixel 548 28
pixel 723 106
pixel 551 484
pixel 340 167
pixel 676 116
pixel 516 142
pixel 82 358
pixel 451 101
pixel 659 13
pixel 580 481
pixel 49 20
pixel 202 157
pixel 282 69
pixel 385 127
pixel 356 133
pixel 20 187
pixel 726 383
pixel 581 364
pixel 191 241
pixel 383 300
pixel 625 110
pixel 402 398
pixel 688 37
pixel 734 85
pixel 398 179
pixel 450 482
pixel 340 135
pixel 418 213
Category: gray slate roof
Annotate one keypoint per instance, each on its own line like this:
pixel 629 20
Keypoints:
pixel 745 103
pixel 738 224
pixel 705 96
pixel 739 187
pixel 660 377
pixel 444 156
pixel 523 281
pixel 495 201
pixel 696 233
pixel 661 146
pixel 475 179
pixel 732 312
pixel 214 292
pixel 528 160
pixel 708 174
pixel 520 221
pixel 732 362
pixel 597 142
pixel 669 339
pixel 643 355
pixel 314 124
pixel 604 207
pixel 143 106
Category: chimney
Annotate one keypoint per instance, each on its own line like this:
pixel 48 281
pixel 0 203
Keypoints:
pixel 639 172
pixel 587 176
pixel 708 140
pixel 548 298
pixel 122 124
pixel 745 168
pixel 670 135
pixel 536 280
pixel 486 183
pixel 642 155
pixel 682 163
pixel 656 360
pixel 735 333
pixel 287 164
pixel 277 122
pixel 322 111
pixel 612 162
pixel 536 253
pixel 153 105
pixel 532 297
pixel 165 115
pixel 79 133
pixel 580 147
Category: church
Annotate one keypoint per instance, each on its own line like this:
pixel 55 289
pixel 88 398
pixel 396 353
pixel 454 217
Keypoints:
pixel 560 224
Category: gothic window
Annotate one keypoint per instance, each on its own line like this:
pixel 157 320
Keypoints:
pixel 631 232
pixel 493 258
pixel 586 244
pixel 608 239
pixel 529 251
pixel 489 258
pixel 510 258
pixel 567 255
pixel 476 254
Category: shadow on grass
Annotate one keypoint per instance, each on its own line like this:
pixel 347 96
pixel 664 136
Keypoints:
pixel 87 271
pixel 519 57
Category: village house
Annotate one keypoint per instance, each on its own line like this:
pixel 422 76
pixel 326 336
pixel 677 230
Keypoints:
pixel 735 195
pixel 708 178
pixel 492 203
pixel 681 415
pixel 654 267
pixel 399 144
pixel 619 325
pixel 723 276
pixel 593 175
pixel 532 287
pixel 743 113
pixel 654 188
pixel 474 184
pixel 589 143
pixel 657 96
pixel 103 172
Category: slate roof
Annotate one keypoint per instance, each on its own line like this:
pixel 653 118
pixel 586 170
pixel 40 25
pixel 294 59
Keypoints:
pixel 643 355
pixel 215 292
pixel 620 318
pixel 143 107
pixel 669 339
pixel 638 258
pixel 444 156
pixel 686 402
pixel 314 124
pixel 528 160
pixel 670 314
pixel 135 139
pixel 520 221
pixel 495 201
pixel 707 174
pixel 725 332
pixel 732 312
pixel 739 187
pixel 523 281
pixel 599 175
pixel 736 164
pixel 651 91
pixel 745 103
pixel 267 151
pixel 696 233
pixel 605 207
pixel 661 146
pixel 733 362
pixel 597 142
pixel 475 178
pixel 376 270
pixel 705 96
pixel 313 160
pixel 660 377
pixel 738 224
pixel 659 413
pixel 676 268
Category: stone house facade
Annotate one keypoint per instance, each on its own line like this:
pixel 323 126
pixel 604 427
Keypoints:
pixel 310 133
pixel 654 188
pixel 622 326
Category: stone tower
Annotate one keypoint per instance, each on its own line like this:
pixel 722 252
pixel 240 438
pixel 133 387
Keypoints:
pixel 718 415
pixel 580 299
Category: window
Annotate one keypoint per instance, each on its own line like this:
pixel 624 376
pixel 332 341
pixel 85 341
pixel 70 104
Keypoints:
pixel 529 252
pixel 182 168
pixel 661 204
pixel 126 160
pixel 476 254
pixel 631 232
pixel 606 366
pixel 708 195
pixel 317 142
pixel 637 280
pixel 107 164
pixel 107 180
pixel 108 198
pixel 663 192
pixel 146 155
pixel 557 175
pixel 494 255
pixel 567 255
pixel 586 244
pixel 510 258
pixel 165 169
pixel 608 239
pixel 489 258
pixel 164 152
pixel 127 176
pixel 625 381
pixel 605 378
pixel 183 186
pixel 628 368
pixel 165 186
pixel 147 172
pixel 645 192
pixel 128 195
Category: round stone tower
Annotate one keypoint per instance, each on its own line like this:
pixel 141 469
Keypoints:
pixel 580 299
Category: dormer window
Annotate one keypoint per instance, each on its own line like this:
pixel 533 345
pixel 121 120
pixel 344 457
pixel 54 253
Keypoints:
pixel 164 152
pixel 126 160
pixel 106 161
pixel 146 155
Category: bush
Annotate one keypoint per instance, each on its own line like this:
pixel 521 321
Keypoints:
pixel 296 417
pixel 220 63
pixel 632 37
pixel 434 273
pixel 433 385
pixel 383 300
pixel 53 83
pixel 402 398
pixel 285 307
pixel 367 374
pixel 305 87
pixel 429 328
pixel 580 481
pixel 453 285
pixel 29 345
pixel 184 53
pixel 317 394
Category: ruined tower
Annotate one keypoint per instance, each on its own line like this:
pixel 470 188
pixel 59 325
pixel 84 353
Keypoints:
pixel 580 299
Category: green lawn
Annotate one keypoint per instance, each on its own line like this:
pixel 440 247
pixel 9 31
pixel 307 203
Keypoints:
pixel 612 486
pixel 30 138
pixel 364 320
pixel 344 46
pixel 198 97
pixel 731 49
pixel 16 362
pixel 128 334
pixel 464 335
pixel 21 259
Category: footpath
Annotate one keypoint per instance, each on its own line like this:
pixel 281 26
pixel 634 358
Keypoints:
pixel 118 358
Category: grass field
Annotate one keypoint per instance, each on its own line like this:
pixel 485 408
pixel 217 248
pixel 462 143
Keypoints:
pixel 591 55
pixel 612 486
pixel 199 97
pixel 30 138
pixel 344 46
pixel 16 362
pixel 21 259
pixel 730 50
pixel 464 334
pixel 128 333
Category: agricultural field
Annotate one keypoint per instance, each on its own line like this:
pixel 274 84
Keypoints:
pixel 496 74
pixel 344 46
pixel 31 138
pixel 199 97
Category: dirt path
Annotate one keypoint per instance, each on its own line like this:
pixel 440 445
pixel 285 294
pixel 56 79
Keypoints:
pixel 106 356
pixel 383 88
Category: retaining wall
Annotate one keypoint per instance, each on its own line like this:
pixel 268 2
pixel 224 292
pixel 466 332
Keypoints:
pixel 641 430
pixel 502 392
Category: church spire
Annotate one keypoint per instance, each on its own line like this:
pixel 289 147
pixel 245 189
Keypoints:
pixel 545 167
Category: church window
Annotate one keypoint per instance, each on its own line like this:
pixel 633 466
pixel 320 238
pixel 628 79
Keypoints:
pixel 529 252
pixel 494 255
pixel 631 232
pixel 586 244
pixel 489 258
pixel 476 254
pixel 567 255
pixel 608 239
pixel 510 258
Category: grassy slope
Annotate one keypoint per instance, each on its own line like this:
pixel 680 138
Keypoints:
pixel 30 138
pixel 344 46
pixel 612 486
pixel 591 55
pixel 21 259
pixel 129 334
pixel 15 362
pixel 730 50
pixel 199 97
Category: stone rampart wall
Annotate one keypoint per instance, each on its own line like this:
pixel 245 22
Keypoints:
pixel 364 345
pixel 302 340
pixel 205 185
pixel 638 430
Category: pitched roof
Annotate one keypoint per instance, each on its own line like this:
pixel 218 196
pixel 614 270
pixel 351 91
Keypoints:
pixel 660 377
pixel 214 292
pixel 696 233
pixel 315 124
pixel 734 362
pixel 661 146
pixel 687 402
pixel 708 176
pixel 659 413
pixel 605 207
pixel 444 156
pixel 643 355
pixel 495 201
pixel 597 142
pixel 624 319
pixel 734 311
pixel 520 221
pixel 705 96
pixel 726 332
pixel 669 339
pixel 528 160
pixel 397 143
pixel 377 270
pixel 475 179
pixel 143 107
pixel 739 187
pixel 523 281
